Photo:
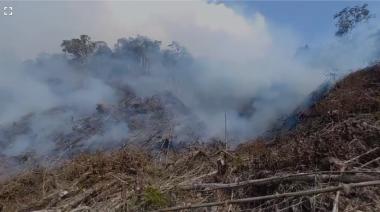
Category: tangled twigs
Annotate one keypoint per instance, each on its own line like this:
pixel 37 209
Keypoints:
pixel 359 156
pixel 276 196
pixel 343 168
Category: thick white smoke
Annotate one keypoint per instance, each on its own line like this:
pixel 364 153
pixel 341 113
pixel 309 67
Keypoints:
pixel 245 68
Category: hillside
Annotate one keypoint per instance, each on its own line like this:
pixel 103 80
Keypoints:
pixel 141 121
pixel 332 150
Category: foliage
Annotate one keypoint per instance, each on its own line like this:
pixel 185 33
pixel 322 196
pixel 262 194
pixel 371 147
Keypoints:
pixel 349 17
pixel 175 54
pixel 153 197
pixel 138 53
pixel 138 48
pixel 101 48
pixel 79 48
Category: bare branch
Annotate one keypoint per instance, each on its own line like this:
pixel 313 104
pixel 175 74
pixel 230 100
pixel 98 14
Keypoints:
pixel 345 178
pixel 276 196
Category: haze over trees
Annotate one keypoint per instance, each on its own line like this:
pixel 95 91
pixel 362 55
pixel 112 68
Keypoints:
pixel 349 17
pixel 78 48
pixel 140 51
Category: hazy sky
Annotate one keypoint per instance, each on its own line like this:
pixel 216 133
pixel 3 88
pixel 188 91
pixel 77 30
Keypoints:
pixel 40 26
pixel 311 20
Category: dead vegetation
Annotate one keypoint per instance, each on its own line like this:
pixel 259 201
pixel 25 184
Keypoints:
pixel 330 162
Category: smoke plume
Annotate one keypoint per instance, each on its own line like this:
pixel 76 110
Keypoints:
pixel 220 64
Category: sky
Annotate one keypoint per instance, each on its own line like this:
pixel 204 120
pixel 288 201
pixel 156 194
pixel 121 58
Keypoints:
pixel 52 21
pixel 312 21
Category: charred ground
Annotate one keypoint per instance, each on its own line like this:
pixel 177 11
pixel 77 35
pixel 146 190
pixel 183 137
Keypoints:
pixel 335 144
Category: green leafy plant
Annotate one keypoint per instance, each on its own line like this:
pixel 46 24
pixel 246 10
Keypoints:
pixel 153 197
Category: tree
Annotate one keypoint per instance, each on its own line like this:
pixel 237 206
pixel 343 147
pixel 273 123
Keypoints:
pixel 101 48
pixel 349 17
pixel 140 49
pixel 175 54
pixel 79 48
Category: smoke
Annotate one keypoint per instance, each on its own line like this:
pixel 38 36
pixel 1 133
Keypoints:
pixel 341 55
pixel 110 136
pixel 41 101
pixel 248 69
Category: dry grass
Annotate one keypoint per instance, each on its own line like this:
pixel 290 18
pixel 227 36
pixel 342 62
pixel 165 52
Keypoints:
pixel 344 125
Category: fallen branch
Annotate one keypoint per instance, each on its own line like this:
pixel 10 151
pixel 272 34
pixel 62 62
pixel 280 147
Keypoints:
pixel 336 200
pixel 276 196
pixel 119 179
pixel 366 164
pixel 345 178
pixel 213 173
pixel 359 156
pixel 343 168
pixel 82 197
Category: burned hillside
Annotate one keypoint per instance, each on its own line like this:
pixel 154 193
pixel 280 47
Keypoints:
pixel 144 122
pixel 329 160
pixel 189 106
pixel 140 92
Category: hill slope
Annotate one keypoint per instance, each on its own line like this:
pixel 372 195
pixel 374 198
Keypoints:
pixel 334 147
